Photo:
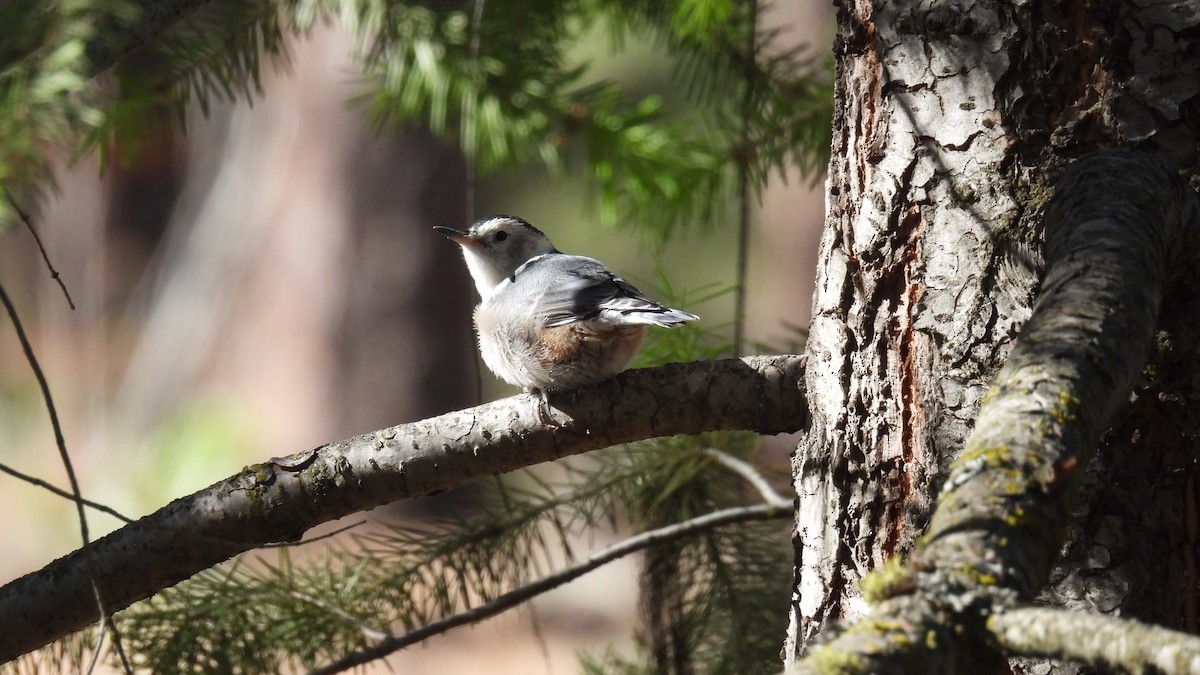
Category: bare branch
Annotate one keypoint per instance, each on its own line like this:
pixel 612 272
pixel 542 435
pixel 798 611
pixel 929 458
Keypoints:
pixel 513 598
pixel 44 386
pixel 33 480
pixel 1096 640
pixel 38 240
pixel 90 568
pixel 282 498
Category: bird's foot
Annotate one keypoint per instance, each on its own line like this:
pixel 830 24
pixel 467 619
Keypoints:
pixel 544 411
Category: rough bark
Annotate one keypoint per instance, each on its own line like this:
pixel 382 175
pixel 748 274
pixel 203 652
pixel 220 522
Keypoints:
pixel 914 301
pixel 951 121
pixel 1113 230
pixel 1134 544
pixel 282 498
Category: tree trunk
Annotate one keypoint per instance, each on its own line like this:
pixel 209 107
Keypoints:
pixel 950 127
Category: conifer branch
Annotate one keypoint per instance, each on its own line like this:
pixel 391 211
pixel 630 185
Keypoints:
pixel 282 498
pixel 525 593
pixel 369 632
pixel 116 37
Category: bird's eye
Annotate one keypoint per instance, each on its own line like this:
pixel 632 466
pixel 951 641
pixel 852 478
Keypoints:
pixel 501 235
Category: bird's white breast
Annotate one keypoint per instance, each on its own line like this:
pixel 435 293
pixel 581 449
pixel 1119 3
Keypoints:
pixel 507 338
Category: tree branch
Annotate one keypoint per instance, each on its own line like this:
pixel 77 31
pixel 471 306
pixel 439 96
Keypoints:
pixel 1108 642
pixel 280 499
pixel 1112 228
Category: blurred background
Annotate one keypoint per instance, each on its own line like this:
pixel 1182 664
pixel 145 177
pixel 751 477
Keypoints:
pixel 268 282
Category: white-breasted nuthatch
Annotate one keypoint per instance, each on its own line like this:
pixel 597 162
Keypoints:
pixel 548 320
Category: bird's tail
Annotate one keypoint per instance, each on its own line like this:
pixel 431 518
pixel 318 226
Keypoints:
pixel 666 317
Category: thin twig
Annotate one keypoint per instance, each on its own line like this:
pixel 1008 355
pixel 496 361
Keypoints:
pixel 515 597
pixel 744 157
pixel 116 635
pixel 302 542
pixel 45 256
pixel 107 625
pixel 752 476
pixel 539 636
pixel 63 493
pixel 98 650
pixel 367 631
pixel 61 442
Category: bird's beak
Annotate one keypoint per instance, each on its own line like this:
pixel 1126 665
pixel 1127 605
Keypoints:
pixel 457 236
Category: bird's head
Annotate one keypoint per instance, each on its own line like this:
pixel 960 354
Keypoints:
pixel 496 246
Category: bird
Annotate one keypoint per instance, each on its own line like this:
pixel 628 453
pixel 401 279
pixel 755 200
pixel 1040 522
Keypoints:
pixel 549 321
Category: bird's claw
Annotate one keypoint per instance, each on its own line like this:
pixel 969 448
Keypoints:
pixel 544 411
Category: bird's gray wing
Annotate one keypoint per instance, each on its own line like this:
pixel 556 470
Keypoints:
pixel 576 288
